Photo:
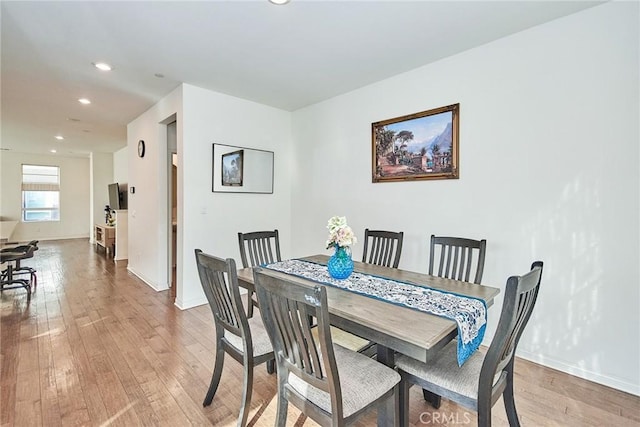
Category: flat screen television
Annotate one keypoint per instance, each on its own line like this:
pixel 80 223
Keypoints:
pixel 117 197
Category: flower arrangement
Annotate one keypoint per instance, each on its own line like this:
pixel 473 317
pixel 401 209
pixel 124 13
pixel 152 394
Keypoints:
pixel 340 234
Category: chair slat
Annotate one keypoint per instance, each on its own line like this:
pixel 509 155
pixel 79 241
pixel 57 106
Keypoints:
pixel 457 258
pixel 258 248
pixel 382 247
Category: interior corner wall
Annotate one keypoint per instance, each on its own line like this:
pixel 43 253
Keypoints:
pixel 549 131
pixel 147 207
pixel 74 196
pixel 210 221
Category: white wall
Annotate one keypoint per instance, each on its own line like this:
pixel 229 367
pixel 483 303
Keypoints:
pixel 101 165
pixel 211 221
pixel 548 170
pixel 121 165
pixel 206 220
pixel 147 207
pixel 74 196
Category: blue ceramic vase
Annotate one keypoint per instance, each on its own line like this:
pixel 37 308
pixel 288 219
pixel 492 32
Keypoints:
pixel 340 264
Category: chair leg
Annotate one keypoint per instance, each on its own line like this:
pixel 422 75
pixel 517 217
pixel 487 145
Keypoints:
pixel 434 399
pixel 250 304
pixel 271 366
pixel 484 413
pixel 281 414
pixel 246 392
pixel 217 373
pixel 509 401
pixel 403 399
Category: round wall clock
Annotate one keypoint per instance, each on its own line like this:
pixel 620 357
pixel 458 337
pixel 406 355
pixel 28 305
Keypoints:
pixel 141 148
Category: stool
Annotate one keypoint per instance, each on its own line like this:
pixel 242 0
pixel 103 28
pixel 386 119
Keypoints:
pixel 12 257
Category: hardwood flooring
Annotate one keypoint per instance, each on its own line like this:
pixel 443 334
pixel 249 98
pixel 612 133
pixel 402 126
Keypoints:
pixel 96 346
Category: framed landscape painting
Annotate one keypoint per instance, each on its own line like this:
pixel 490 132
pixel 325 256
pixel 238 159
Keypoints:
pixel 418 146
pixel 232 164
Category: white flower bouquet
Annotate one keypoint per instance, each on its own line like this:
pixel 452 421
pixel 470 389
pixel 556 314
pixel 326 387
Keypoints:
pixel 340 234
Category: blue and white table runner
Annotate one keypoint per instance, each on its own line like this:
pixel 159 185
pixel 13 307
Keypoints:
pixel 470 314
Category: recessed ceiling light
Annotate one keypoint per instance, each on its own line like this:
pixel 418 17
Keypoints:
pixel 59 137
pixel 103 66
pixel 54 150
pixel 279 1
pixel 84 101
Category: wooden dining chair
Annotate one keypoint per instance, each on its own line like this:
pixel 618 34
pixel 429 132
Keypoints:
pixel 382 247
pixel 244 339
pixel 480 381
pixel 258 248
pixel 328 383
pixel 457 258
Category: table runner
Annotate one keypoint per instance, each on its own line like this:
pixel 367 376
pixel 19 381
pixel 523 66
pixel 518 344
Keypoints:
pixel 470 314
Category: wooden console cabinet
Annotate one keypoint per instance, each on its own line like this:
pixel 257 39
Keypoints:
pixel 105 236
pixel 115 239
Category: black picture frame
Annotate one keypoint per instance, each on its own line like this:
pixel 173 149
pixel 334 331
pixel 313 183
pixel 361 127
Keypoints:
pixel 231 167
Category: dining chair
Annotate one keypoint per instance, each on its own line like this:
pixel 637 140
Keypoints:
pixel 328 383
pixel 244 339
pixel 382 247
pixel 258 248
pixel 457 257
pixel 480 381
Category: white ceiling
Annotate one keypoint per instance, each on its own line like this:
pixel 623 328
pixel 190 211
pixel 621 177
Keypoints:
pixel 286 56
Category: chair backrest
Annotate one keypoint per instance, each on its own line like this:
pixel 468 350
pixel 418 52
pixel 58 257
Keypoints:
pixel 520 297
pixel 259 247
pixel 456 257
pixel 219 281
pixel 382 247
pixel 285 307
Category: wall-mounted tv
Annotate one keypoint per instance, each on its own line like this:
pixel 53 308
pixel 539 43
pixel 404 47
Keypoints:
pixel 117 196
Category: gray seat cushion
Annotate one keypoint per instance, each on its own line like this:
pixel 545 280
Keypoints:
pixel 259 336
pixel 362 380
pixel 444 371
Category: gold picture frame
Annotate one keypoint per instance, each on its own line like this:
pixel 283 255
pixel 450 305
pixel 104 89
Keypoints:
pixel 418 146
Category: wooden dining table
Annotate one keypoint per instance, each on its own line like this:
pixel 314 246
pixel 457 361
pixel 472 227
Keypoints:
pixel 392 327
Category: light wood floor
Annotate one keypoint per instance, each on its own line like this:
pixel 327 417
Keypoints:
pixel 95 346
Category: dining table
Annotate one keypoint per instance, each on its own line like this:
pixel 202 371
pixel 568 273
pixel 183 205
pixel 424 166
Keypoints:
pixel 394 328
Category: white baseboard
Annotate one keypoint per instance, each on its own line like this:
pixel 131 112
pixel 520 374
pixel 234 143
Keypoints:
pixel 149 282
pixel 616 383
pixel 43 239
pixel 194 302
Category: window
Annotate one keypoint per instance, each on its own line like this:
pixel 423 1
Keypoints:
pixel 40 193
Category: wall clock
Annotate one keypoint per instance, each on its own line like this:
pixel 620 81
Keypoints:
pixel 141 148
